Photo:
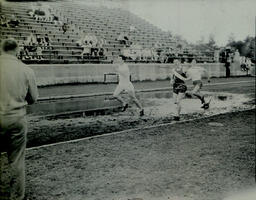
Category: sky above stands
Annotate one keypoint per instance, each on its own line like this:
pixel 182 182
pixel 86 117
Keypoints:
pixel 196 19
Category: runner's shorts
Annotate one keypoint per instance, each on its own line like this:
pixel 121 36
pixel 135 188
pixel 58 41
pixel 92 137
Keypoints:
pixel 199 83
pixel 179 88
pixel 128 87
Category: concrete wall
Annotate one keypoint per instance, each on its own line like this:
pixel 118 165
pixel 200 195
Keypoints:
pixel 91 73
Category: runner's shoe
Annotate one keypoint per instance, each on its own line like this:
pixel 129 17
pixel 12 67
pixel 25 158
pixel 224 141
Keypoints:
pixel 176 118
pixel 206 106
pixel 141 112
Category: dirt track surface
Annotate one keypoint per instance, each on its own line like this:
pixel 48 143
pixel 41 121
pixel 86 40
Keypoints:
pixel 185 161
pixel 50 131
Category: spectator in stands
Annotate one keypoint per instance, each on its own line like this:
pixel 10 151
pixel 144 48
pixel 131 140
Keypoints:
pixel 21 52
pixel 123 39
pixel 132 28
pixel 14 22
pixel 101 44
pixel 146 54
pixel 47 40
pixel 157 47
pixel 31 40
pixel 101 52
pixel 93 39
pixel 86 49
pixel 3 21
pixel 65 28
pixel 39 52
pixel 55 19
pixel 154 56
pixel 248 63
pixel 227 65
pixel 39 39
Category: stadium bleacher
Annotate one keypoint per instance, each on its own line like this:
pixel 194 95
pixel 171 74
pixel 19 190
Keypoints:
pixel 101 21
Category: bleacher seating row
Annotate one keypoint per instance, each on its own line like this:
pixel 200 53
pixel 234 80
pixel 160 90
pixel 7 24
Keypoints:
pixel 101 21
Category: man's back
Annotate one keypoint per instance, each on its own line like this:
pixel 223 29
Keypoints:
pixel 124 73
pixel 17 86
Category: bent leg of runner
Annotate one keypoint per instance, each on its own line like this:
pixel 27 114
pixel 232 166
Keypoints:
pixel 196 93
pixel 174 96
pixel 117 93
pixel 134 99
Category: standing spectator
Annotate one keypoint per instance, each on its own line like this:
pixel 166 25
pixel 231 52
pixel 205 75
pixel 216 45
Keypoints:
pixel 227 65
pixel 17 89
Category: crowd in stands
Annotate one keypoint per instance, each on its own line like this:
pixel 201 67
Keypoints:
pixel 33 47
pixel 44 14
pixel 92 46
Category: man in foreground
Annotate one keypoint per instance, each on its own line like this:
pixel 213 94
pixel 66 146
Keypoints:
pixel 17 89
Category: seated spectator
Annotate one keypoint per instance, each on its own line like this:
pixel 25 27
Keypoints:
pixel 101 42
pixel 39 14
pixel 123 39
pixel 101 52
pixel 31 40
pixel 146 54
pixel 154 54
pixel 132 28
pixel 13 22
pixel 65 28
pixel 39 39
pixel 126 52
pixel 93 39
pixel 86 49
pixel 47 40
pixel 55 19
pixel 39 52
pixel 3 21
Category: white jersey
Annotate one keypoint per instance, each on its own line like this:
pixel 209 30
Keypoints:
pixel 195 73
pixel 124 74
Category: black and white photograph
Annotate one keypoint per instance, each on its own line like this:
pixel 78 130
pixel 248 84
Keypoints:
pixel 127 100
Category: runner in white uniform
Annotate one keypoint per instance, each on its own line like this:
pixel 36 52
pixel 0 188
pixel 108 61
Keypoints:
pixel 125 85
pixel 195 73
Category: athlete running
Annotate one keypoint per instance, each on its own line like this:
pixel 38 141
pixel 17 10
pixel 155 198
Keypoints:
pixel 125 85
pixel 195 73
pixel 179 87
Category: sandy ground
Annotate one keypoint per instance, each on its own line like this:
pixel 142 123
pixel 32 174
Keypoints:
pixel 200 160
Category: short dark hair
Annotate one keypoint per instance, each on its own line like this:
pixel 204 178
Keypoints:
pixel 9 45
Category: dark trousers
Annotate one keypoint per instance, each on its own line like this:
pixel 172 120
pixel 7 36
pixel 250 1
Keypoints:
pixel 13 132
pixel 227 65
